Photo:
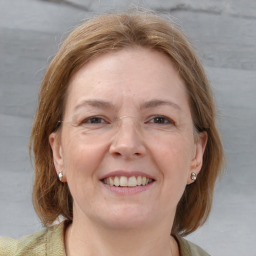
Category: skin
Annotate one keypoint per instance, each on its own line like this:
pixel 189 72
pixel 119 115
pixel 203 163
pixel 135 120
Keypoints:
pixel 131 81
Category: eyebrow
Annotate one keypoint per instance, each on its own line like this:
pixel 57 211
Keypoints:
pixel 158 102
pixel 94 103
pixel 108 105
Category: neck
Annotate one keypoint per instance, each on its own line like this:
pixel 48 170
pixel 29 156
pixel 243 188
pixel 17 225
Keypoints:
pixel 84 239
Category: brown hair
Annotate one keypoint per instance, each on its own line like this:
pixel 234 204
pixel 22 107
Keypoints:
pixel 104 34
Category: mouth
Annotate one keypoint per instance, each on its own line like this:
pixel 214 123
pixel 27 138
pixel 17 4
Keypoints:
pixel 123 181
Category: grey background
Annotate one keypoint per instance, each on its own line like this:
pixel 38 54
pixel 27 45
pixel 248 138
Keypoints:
pixel 224 35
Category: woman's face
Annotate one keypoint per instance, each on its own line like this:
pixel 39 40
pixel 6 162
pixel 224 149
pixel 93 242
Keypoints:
pixel 127 146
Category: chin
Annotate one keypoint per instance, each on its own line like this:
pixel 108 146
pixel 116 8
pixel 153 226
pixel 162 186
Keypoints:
pixel 128 217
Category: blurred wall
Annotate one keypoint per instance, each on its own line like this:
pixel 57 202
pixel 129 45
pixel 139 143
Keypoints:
pixel 224 35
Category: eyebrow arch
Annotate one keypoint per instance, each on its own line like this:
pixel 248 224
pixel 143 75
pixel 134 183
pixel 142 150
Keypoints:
pixel 94 103
pixel 157 102
pixel 108 105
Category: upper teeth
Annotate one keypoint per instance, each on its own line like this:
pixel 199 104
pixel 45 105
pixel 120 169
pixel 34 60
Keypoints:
pixel 123 181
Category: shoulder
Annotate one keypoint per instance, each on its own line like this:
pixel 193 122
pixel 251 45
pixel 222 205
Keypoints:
pixel 26 245
pixel 188 248
pixel 46 242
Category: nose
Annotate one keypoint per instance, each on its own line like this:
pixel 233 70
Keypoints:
pixel 127 141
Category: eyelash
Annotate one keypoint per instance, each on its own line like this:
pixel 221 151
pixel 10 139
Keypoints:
pixel 89 120
pixel 163 120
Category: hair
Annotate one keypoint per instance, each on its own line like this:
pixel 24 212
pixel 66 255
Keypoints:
pixel 109 33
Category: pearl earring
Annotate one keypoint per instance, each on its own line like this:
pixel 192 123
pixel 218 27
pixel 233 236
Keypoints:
pixel 60 176
pixel 193 176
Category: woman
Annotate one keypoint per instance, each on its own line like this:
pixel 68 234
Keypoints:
pixel 125 143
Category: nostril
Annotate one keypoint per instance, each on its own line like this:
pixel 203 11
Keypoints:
pixel 127 144
pixel 117 154
pixel 125 152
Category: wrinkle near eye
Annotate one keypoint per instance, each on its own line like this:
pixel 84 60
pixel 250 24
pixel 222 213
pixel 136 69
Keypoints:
pixel 157 115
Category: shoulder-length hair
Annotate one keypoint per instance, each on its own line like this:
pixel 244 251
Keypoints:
pixel 108 33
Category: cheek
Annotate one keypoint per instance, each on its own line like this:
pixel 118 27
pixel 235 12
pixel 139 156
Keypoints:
pixel 175 151
pixel 80 164
pixel 81 158
pixel 173 159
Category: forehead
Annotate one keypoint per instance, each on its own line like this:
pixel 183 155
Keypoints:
pixel 134 74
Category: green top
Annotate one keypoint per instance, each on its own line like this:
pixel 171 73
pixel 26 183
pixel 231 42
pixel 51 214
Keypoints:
pixel 50 242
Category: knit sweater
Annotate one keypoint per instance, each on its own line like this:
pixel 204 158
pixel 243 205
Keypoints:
pixel 50 242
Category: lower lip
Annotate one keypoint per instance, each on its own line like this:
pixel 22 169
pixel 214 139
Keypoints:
pixel 128 190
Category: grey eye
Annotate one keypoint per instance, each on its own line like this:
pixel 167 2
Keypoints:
pixel 161 120
pixel 94 120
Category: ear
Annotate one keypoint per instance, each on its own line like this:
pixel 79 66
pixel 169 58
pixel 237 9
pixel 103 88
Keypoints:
pixel 54 140
pixel 197 161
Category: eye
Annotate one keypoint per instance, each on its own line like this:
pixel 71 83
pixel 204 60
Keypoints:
pixel 161 120
pixel 93 120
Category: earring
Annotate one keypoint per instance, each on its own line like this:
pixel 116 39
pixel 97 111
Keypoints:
pixel 193 176
pixel 60 176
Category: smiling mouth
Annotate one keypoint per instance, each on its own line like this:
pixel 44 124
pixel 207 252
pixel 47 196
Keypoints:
pixel 123 181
